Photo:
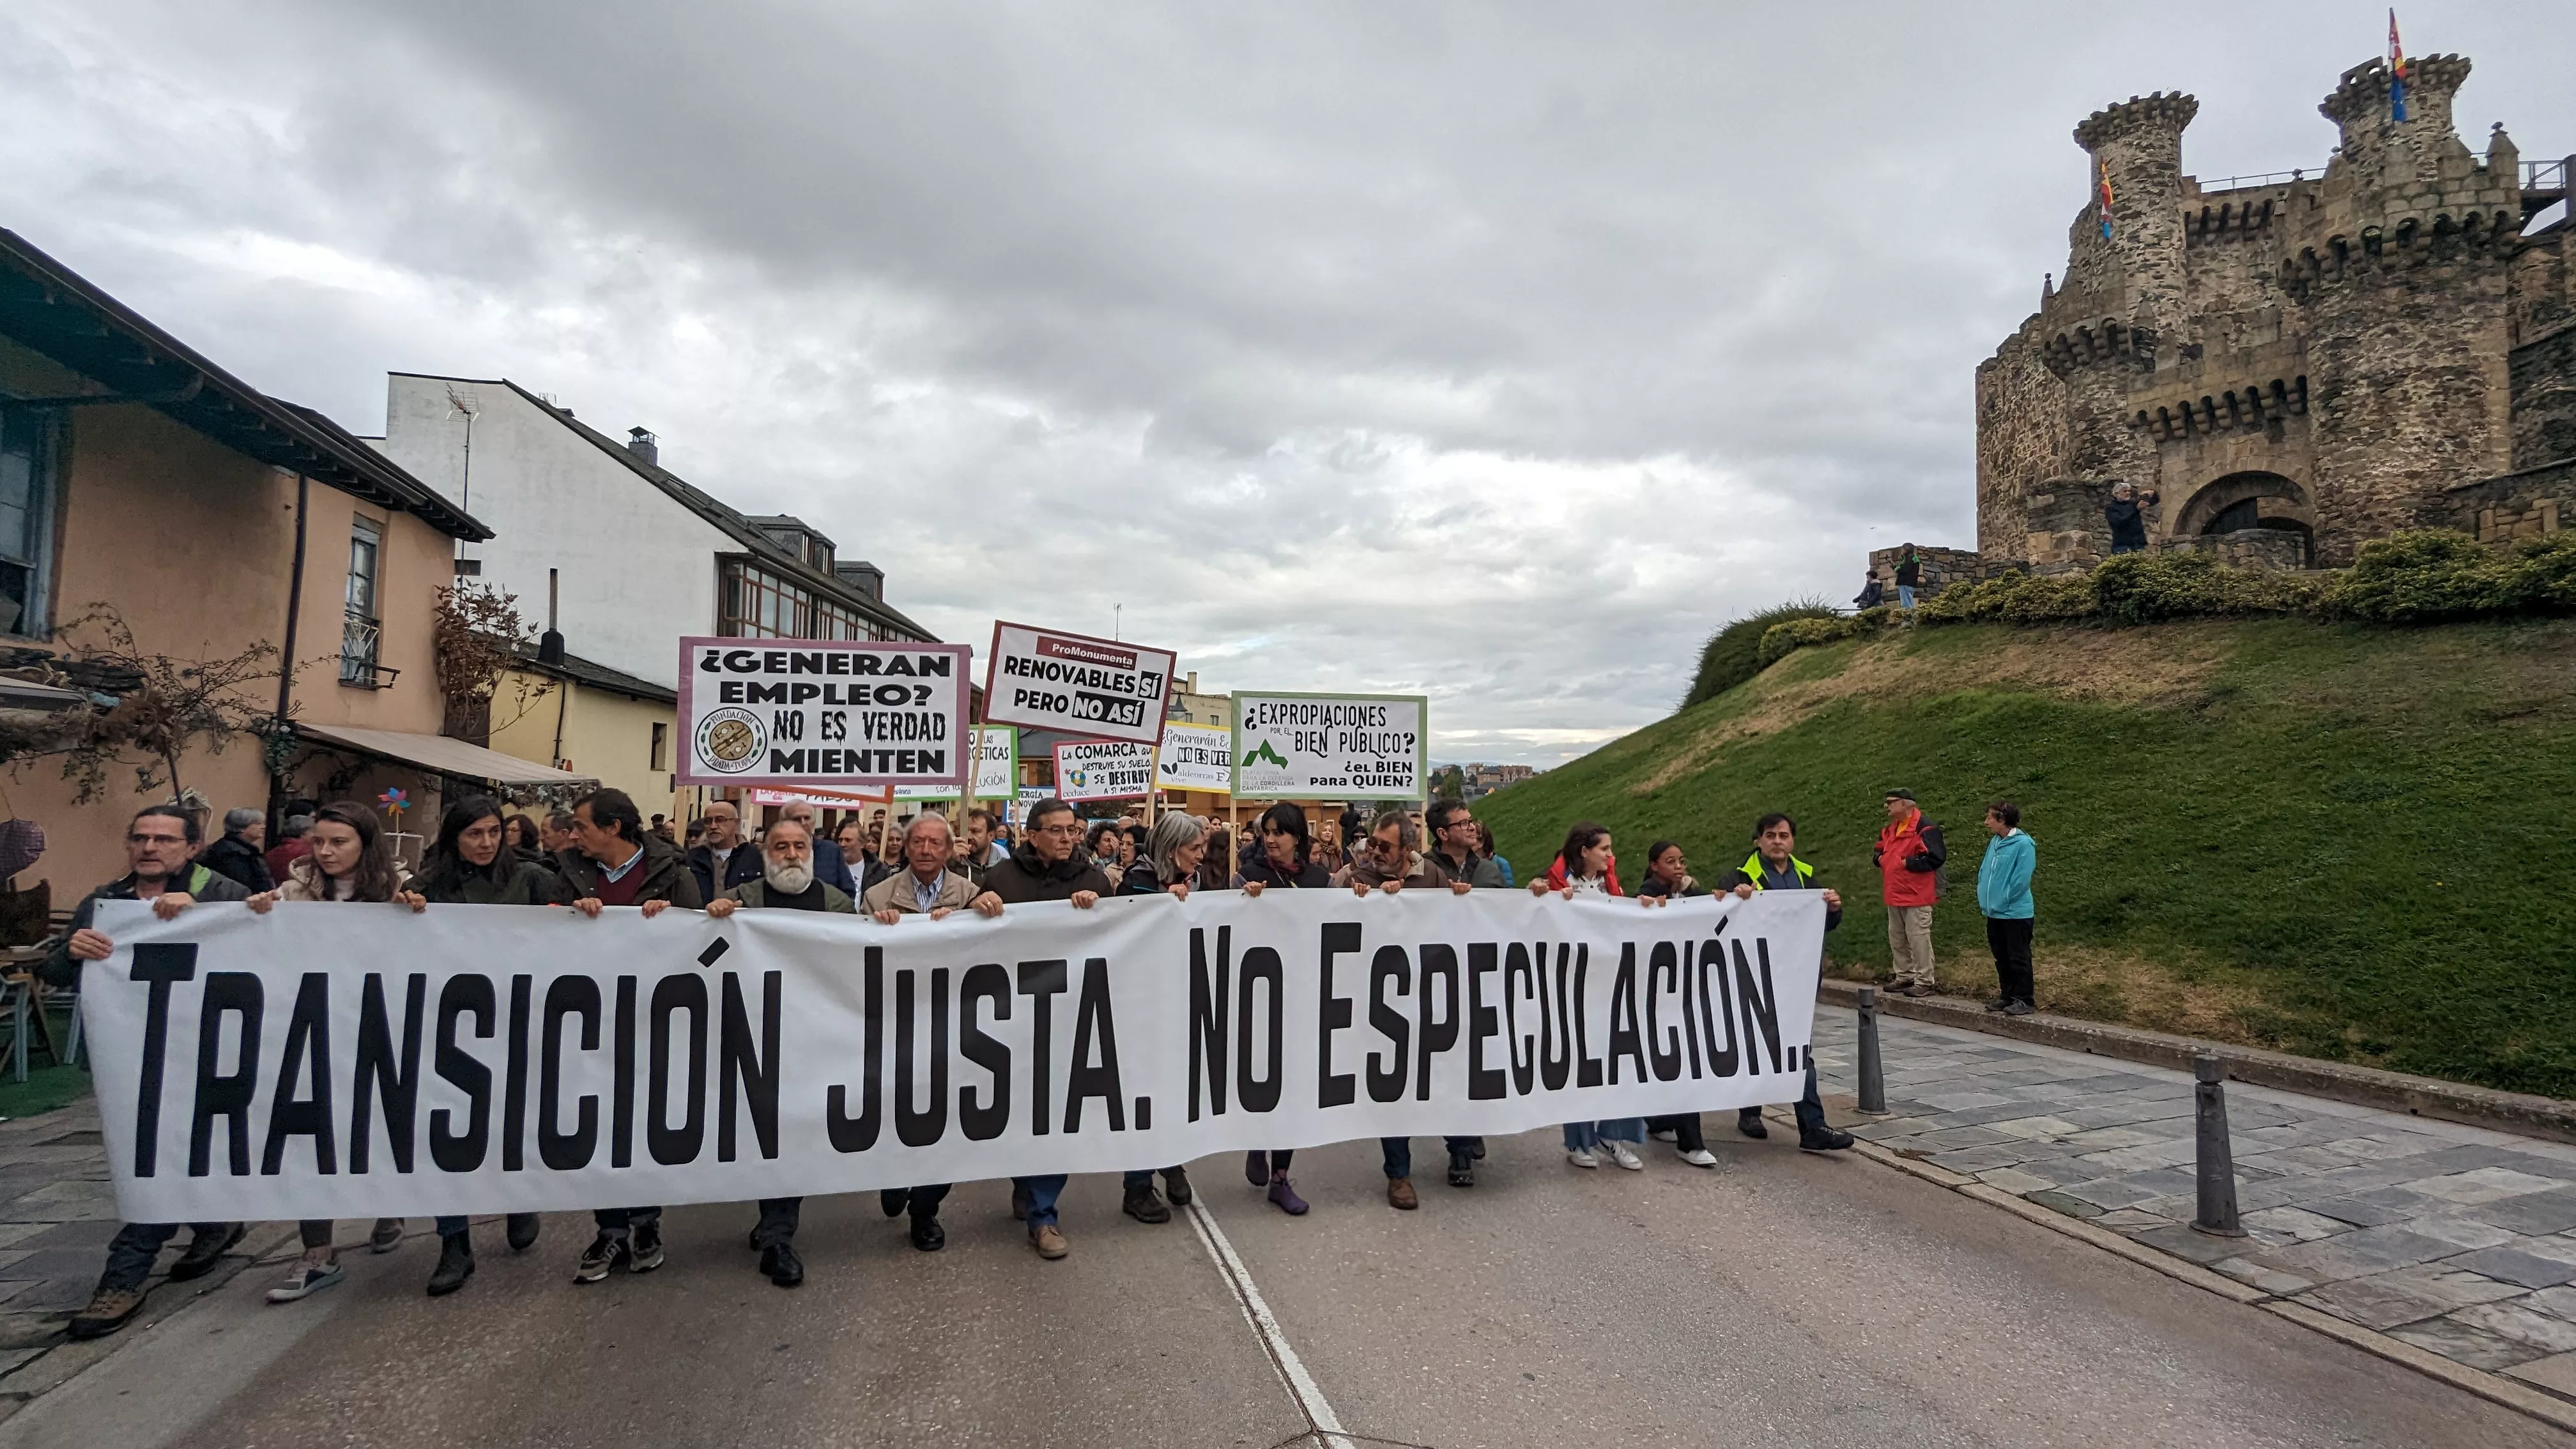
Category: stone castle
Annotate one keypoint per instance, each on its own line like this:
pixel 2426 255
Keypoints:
pixel 2296 364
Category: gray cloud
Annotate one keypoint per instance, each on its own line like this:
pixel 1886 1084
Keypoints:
pixel 1493 351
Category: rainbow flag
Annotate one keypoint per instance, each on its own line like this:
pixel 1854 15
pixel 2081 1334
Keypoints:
pixel 2396 72
pixel 2105 184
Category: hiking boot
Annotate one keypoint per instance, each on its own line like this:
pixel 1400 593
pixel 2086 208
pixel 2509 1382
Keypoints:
pixel 1048 1239
pixel 1144 1204
pixel 927 1235
pixel 386 1237
pixel 1918 989
pixel 895 1199
pixel 605 1255
pixel 780 1262
pixel 520 1231
pixel 305 1280
pixel 1476 1148
pixel 204 1251
pixel 1828 1140
pixel 1284 1197
pixel 1749 1122
pixel 1462 1169
pixel 109 1310
pixel 1400 1195
pixel 1176 1186
pixel 1256 1168
pixel 1019 1202
pixel 1998 1005
pixel 2020 1008
pixel 455 1265
pixel 647 1253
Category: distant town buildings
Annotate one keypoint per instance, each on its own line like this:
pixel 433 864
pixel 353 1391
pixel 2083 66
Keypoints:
pixel 1482 780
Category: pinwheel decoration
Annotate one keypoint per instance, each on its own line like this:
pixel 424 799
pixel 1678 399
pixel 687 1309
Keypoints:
pixel 395 803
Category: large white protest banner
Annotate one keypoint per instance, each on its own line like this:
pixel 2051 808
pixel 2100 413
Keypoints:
pixel 1103 770
pixel 1330 746
pixel 358 1060
pixel 1195 757
pixel 1051 679
pixel 997 768
pixel 827 713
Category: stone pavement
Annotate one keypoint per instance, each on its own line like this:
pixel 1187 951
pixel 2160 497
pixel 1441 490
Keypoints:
pixel 2455 1239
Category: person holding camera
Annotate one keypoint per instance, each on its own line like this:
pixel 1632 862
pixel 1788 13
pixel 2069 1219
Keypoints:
pixel 2127 515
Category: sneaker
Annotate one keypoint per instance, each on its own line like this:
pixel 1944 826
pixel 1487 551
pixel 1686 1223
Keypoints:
pixel 1662 1134
pixel 647 1249
pixel 1256 1168
pixel 455 1265
pixel 605 1255
pixel 1400 1194
pixel 1462 1169
pixel 2020 1008
pixel 1285 1198
pixel 1048 1239
pixel 386 1237
pixel 928 1236
pixel 1700 1157
pixel 305 1280
pixel 109 1310
pixel 1144 1204
pixel 1581 1158
pixel 1020 1202
pixel 204 1251
pixel 1620 1154
pixel 1750 1123
pixel 1825 1141
pixel 780 1262
pixel 895 1199
pixel 1176 1186
pixel 521 1231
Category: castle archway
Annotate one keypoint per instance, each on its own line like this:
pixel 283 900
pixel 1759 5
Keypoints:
pixel 2249 500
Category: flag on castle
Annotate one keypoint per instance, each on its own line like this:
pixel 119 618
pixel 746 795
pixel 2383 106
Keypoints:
pixel 2396 72
pixel 2105 182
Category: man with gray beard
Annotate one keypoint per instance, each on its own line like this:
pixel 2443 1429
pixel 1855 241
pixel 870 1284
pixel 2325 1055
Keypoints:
pixel 786 883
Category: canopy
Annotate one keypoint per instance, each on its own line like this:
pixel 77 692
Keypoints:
pixel 444 755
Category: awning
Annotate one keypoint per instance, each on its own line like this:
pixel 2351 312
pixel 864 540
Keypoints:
pixel 444 755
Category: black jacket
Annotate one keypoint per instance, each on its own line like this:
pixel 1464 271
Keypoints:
pixel 667 876
pixel 1024 878
pixel 1909 569
pixel 234 857
pixel 2128 522
pixel 445 883
pixel 1872 594
pixel 61 968
pixel 1255 866
pixel 742 865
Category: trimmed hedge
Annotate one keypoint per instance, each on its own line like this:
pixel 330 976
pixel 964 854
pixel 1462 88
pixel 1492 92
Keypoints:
pixel 1733 654
pixel 2434 576
pixel 1780 639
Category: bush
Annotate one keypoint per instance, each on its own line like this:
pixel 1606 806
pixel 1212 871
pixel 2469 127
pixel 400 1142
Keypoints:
pixel 2013 598
pixel 1780 639
pixel 2548 568
pixel 1733 654
pixel 2425 576
pixel 2140 588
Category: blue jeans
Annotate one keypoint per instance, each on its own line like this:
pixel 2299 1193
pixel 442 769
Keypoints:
pixel 1905 596
pixel 1584 1136
pixel 1043 1192
pixel 131 1252
pixel 1144 1176
pixel 1398 1152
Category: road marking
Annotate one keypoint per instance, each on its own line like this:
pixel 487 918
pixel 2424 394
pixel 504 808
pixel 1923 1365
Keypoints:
pixel 1320 1418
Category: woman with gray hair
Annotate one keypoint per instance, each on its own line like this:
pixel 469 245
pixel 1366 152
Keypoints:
pixel 238 854
pixel 1169 867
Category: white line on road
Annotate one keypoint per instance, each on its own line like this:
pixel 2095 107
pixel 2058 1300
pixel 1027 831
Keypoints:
pixel 1292 1370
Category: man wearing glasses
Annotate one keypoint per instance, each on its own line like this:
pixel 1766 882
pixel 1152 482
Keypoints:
pixel 1454 858
pixel 1049 865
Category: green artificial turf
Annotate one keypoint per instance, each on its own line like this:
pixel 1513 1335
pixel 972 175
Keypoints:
pixel 2356 841
pixel 45 1089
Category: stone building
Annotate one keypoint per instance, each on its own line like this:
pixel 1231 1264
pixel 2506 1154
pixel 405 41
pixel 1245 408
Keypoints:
pixel 2296 363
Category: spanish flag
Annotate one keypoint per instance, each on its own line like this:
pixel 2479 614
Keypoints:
pixel 2396 72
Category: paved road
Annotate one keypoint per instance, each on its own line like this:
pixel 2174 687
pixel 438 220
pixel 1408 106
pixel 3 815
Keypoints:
pixel 1782 1299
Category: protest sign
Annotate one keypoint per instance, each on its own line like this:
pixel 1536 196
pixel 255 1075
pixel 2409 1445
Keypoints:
pixel 1195 757
pixel 997 768
pixel 831 713
pixel 822 799
pixel 356 1061
pixel 1103 770
pixel 1330 746
pixel 1053 680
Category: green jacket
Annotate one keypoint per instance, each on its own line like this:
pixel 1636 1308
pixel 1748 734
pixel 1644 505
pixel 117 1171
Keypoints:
pixel 526 885
pixel 754 894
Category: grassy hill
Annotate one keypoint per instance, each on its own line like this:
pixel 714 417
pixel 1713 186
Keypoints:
pixel 2338 840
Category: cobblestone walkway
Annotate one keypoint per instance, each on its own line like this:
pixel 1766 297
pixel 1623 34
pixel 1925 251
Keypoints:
pixel 2452 1238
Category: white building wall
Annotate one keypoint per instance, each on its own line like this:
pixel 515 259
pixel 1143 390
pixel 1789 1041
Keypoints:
pixel 638 569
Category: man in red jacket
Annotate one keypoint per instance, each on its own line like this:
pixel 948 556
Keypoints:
pixel 1909 856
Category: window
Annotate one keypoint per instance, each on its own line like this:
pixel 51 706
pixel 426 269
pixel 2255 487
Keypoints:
pixel 758 604
pixel 26 519
pixel 360 629
pixel 661 746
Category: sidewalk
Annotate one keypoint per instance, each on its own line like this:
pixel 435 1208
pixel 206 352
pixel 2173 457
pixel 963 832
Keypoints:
pixel 2452 1238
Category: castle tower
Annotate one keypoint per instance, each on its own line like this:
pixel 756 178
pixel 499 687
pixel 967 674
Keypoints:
pixel 2137 146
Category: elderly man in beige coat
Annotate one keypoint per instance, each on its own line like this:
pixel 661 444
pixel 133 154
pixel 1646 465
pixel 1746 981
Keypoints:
pixel 928 887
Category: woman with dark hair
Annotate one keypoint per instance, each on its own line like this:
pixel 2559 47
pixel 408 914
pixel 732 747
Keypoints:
pixel 470 865
pixel 350 861
pixel 1279 854
pixel 1216 861
pixel 519 833
pixel 1668 877
pixel 1485 848
pixel 1586 867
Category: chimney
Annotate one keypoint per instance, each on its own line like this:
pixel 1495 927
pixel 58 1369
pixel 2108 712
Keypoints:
pixel 644 446
pixel 550 643
pixel 1194 683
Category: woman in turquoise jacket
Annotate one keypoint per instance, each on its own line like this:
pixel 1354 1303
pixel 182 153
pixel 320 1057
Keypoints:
pixel 2003 893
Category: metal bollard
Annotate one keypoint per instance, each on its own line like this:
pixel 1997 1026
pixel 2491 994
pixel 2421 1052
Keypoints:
pixel 2217 1165
pixel 1873 1083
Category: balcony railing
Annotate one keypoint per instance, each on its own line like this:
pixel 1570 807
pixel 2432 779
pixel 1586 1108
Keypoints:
pixel 359 638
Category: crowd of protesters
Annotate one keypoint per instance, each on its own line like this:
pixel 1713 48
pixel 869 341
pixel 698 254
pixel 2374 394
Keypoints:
pixel 602 853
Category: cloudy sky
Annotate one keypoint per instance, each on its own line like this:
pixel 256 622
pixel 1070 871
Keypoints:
pixel 1492 351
